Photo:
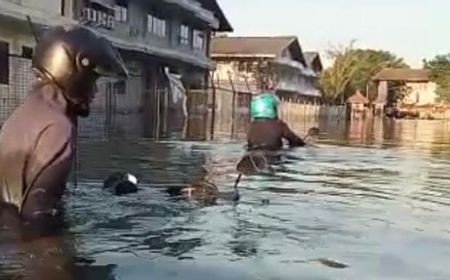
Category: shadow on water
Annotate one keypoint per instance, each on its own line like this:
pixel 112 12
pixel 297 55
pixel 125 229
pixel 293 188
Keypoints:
pixel 369 202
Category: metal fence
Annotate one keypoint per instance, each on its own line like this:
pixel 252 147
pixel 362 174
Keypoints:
pixel 222 113
pixel 104 120
pixel 20 80
pixel 212 113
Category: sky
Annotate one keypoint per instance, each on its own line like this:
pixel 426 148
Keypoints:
pixel 412 29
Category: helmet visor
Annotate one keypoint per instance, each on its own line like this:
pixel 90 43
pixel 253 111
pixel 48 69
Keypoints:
pixel 110 63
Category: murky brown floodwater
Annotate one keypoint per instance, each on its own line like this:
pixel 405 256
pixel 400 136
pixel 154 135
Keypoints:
pixel 370 201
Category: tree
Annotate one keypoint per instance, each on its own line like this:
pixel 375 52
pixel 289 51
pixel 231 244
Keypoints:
pixel 440 74
pixel 353 69
pixel 372 61
pixel 336 78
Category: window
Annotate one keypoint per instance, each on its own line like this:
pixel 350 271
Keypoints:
pixel 121 11
pixel 159 27
pixel 27 52
pixel 4 63
pixel 156 26
pixel 199 40
pixel 149 23
pixel 99 17
pixel 184 35
pixel 63 7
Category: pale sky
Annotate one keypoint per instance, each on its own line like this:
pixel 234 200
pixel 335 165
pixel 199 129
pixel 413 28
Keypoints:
pixel 414 29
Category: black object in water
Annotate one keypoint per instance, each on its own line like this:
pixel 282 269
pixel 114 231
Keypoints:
pixel 121 183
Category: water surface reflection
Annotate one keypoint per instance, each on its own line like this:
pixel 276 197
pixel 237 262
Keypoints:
pixel 369 202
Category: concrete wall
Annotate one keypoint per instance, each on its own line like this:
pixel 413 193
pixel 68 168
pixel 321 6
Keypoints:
pixel 382 92
pixel 421 93
pixel 20 75
pixel 52 7
pixel 16 36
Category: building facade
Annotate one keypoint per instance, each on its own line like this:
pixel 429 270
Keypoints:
pixel 244 61
pixel 160 41
pixel 416 85
pixel 157 39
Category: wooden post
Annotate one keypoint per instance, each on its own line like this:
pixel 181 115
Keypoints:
pixel 166 109
pixel 213 106
pixel 247 84
pixel 108 87
pixel 233 104
pixel 158 113
pixel 157 104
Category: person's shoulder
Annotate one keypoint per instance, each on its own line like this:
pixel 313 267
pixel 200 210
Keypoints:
pixel 60 127
pixel 281 122
pixel 62 123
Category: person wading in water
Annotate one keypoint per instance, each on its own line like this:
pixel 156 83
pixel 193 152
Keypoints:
pixel 266 130
pixel 37 141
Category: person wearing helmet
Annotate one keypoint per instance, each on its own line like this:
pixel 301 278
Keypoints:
pixel 36 141
pixel 266 130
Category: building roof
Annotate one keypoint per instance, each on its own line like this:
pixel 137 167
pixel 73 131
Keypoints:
pixel 212 5
pixel 310 56
pixel 253 46
pixel 313 60
pixel 358 98
pixel 399 74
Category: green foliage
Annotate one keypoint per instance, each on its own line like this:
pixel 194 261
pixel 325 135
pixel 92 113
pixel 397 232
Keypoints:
pixel 372 61
pixel 335 79
pixel 440 74
pixel 353 69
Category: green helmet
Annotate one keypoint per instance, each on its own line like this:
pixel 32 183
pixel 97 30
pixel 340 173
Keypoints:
pixel 264 106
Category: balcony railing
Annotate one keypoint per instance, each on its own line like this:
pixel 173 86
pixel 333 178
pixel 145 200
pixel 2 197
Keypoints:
pixel 97 18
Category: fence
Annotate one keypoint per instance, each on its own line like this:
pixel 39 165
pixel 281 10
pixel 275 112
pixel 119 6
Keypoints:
pixel 212 113
pixel 20 80
pixel 222 113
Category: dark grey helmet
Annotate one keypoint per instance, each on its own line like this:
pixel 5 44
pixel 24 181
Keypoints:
pixel 74 57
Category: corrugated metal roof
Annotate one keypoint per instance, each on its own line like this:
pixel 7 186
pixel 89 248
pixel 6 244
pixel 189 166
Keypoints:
pixel 310 56
pixel 398 74
pixel 213 6
pixel 254 46
pixel 161 52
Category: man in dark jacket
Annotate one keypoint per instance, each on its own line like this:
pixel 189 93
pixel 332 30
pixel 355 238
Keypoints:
pixel 266 130
pixel 36 142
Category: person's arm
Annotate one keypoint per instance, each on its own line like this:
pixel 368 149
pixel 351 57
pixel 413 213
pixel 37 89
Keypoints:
pixel 48 168
pixel 291 137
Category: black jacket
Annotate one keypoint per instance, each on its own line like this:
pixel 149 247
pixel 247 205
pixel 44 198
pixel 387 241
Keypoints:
pixel 269 135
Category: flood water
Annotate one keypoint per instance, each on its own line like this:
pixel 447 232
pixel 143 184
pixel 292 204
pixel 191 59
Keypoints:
pixel 370 200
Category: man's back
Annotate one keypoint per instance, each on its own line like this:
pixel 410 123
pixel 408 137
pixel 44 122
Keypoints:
pixel 269 134
pixel 37 135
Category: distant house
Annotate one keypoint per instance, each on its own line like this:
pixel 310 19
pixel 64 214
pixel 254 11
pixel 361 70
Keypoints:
pixel 241 61
pixel 414 82
pixel 357 103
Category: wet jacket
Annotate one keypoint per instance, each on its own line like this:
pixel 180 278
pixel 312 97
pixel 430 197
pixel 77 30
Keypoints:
pixel 269 135
pixel 36 152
